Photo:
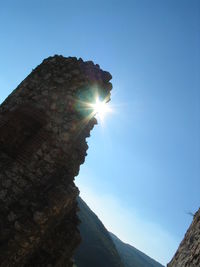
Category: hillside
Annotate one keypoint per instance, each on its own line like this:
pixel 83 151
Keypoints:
pixel 132 257
pixel 188 252
pixel 99 248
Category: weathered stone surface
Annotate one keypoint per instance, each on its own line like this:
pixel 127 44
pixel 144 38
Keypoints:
pixel 188 253
pixel 43 128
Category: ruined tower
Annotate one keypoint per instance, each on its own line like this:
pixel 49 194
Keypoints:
pixel 43 128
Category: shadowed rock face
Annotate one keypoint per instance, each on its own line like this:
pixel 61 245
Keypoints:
pixel 188 253
pixel 43 128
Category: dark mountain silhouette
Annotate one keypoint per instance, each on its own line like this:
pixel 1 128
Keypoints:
pixel 132 257
pixel 99 248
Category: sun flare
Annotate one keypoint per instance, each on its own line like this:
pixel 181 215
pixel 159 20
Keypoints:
pixel 100 108
pixel 92 105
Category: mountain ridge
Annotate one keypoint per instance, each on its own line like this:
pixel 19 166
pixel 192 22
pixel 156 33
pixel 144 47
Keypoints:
pixel 100 248
pixel 127 252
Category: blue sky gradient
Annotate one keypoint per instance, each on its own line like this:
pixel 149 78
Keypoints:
pixel 145 159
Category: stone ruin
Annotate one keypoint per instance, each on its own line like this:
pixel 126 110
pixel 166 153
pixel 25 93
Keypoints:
pixel 188 253
pixel 44 124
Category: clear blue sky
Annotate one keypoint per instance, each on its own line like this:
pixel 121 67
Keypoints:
pixel 141 175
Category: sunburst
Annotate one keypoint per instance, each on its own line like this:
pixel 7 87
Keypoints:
pixel 100 108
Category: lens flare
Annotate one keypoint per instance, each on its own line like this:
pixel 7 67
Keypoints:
pixel 100 108
pixel 92 104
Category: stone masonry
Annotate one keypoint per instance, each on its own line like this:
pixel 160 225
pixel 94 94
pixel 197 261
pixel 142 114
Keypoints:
pixel 188 253
pixel 44 124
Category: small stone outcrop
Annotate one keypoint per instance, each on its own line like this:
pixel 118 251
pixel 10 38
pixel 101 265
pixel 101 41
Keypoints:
pixel 44 124
pixel 188 253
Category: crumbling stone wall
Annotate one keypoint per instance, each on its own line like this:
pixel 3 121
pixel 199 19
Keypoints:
pixel 188 253
pixel 43 128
